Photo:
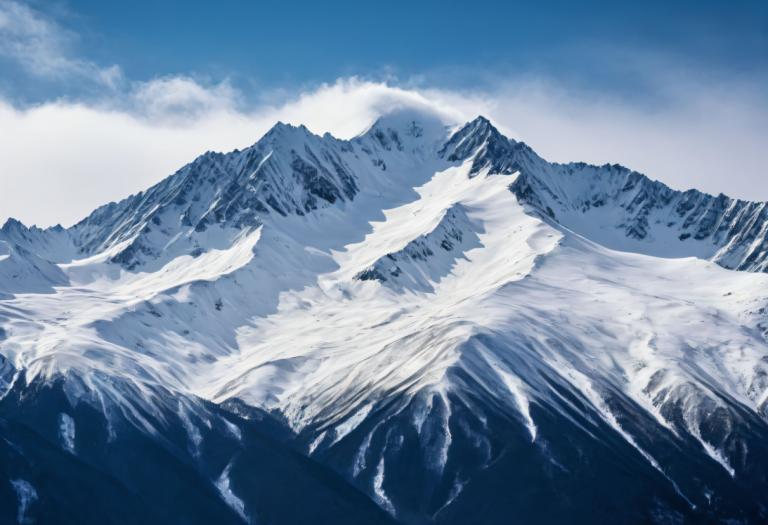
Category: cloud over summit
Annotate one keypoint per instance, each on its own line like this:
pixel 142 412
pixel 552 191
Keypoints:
pixel 64 156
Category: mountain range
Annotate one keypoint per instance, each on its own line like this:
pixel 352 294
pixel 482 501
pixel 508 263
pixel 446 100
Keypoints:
pixel 424 324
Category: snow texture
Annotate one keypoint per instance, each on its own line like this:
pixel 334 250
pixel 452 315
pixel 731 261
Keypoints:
pixel 339 282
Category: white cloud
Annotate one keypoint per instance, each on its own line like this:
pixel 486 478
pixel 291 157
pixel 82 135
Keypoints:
pixel 60 160
pixel 181 98
pixel 42 47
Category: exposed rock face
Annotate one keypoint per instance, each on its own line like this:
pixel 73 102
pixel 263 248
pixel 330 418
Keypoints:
pixel 427 258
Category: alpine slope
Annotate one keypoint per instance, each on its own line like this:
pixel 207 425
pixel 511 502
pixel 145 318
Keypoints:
pixel 425 324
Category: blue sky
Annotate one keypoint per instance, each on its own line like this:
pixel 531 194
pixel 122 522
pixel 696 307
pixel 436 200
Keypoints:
pixel 119 94
pixel 277 45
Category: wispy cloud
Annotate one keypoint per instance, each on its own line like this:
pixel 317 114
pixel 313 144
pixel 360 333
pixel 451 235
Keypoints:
pixel 43 48
pixel 181 98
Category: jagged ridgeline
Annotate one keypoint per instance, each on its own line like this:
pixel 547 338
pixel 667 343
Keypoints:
pixel 426 323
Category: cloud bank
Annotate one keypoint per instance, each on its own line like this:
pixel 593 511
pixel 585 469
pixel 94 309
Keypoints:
pixel 62 158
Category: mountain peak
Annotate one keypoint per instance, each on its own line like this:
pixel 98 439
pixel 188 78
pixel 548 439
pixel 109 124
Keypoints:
pixel 282 129
pixel 12 224
pixel 406 128
pixel 492 150
pixel 481 124
pixel 478 131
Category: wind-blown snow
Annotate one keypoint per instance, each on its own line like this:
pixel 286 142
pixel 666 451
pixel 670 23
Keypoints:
pixel 231 499
pixel 516 388
pixel 348 425
pixel 378 489
pixel 27 495
pixel 67 432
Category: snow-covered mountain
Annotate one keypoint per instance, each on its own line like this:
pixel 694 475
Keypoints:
pixel 423 324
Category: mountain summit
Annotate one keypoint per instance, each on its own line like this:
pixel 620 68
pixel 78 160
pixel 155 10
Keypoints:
pixel 418 325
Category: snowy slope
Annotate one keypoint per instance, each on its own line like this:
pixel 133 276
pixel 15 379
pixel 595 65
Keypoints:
pixel 627 211
pixel 429 313
pixel 22 271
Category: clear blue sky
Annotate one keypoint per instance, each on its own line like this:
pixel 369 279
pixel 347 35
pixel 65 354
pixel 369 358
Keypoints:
pixel 275 44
